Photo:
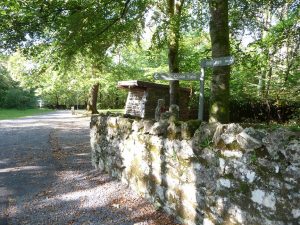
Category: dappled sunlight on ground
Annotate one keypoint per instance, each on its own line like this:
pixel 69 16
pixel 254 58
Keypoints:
pixel 46 177
pixel 22 168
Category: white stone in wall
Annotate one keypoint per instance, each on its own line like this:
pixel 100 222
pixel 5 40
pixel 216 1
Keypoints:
pixel 136 126
pixel 191 209
pixel 144 167
pixel 221 204
pixel 236 214
pixel 189 176
pixel 276 169
pixel 207 221
pixel 189 192
pixel 296 213
pixel 185 150
pixel 224 182
pixel 112 121
pixel 250 175
pixel 222 165
pixel 234 154
pixel 263 198
pixel 171 182
pixel 196 166
pixel 247 175
pixel 231 130
pixel 172 146
pixel 156 141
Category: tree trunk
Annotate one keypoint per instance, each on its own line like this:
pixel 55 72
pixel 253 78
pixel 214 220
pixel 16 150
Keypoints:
pixel 219 33
pixel 57 100
pixel 174 11
pixel 262 78
pixel 261 84
pixel 92 100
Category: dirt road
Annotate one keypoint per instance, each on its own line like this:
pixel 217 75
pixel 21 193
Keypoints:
pixel 46 177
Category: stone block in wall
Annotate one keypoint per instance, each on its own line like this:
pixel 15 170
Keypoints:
pixel 291 152
pixel 250 138
pixel 203 136
pixel 189 128
pixel 148 124
pixel 277 141
pixel 159 128
pixel 225 136
pixel 137 125
pixel 173 131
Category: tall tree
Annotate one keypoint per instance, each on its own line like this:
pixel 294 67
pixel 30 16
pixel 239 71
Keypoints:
pixel 219 33
pixel 174 13
pixel 92 99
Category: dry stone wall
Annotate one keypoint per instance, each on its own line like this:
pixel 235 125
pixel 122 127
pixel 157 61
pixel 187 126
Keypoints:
pixel 203 173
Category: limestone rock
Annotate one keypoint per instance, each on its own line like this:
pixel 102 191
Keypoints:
pixel 292 152
pixel 174 132
pixel 159 128
pixel 204 135
pixel 250 138
pixel 275 142
pixel 225 134
pixel 189 128
pixel 147 126
pixel 185 150
pixel 137 126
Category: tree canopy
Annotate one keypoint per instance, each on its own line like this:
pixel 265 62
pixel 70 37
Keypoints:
pixel 73 45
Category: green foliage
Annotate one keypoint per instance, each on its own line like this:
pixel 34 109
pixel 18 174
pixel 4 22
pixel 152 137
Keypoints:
pixel 207 142
pixel 63 47
pixel 19 99
pixel 253 158
pixel 244 188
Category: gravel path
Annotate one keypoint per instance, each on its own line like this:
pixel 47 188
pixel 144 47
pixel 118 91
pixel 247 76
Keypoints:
pixel 46 177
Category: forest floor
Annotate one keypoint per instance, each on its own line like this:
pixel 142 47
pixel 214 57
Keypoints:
pixel 46 177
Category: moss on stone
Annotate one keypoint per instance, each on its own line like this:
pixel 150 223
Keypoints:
pixel 233 146
pixel 244 188
pixel 193 125
pixel 172 135
pixel 229 176
pixel 185 163
pixel 188 128
pixel 173 131
pixel 200 160
pixel 134 170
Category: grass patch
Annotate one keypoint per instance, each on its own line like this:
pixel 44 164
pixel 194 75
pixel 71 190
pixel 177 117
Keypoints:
pixel 273 126
pixel 6 114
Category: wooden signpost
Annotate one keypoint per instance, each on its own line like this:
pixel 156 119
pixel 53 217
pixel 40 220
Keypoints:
pixel 221 61
pixel 176 76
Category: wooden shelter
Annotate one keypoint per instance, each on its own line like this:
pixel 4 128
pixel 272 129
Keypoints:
pixel 143 97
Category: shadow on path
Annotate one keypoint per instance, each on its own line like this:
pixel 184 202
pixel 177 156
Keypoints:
pixel 46 177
